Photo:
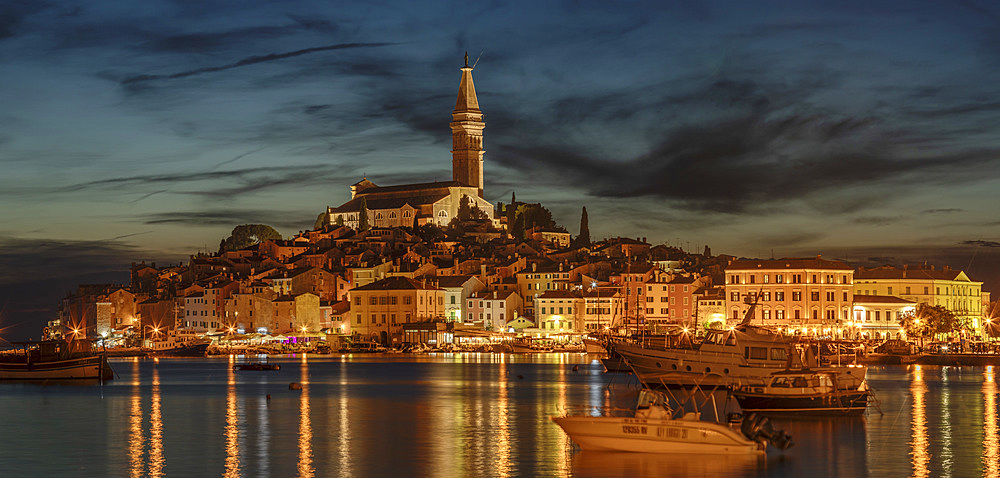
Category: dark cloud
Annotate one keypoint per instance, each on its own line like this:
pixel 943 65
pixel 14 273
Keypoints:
pixel 252 60
pixel 765 154
pixel 12 14
pixel 946 210
pixel 35 259
pixel 877 220
pixel 284 219
pixel 981 243
pixel 203 42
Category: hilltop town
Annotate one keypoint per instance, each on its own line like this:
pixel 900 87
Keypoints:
pixel 431 261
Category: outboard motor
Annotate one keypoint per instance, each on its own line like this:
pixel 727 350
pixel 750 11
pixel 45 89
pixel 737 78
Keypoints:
pixel 759 429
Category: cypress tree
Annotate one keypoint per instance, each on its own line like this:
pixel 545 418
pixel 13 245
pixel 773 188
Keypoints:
pixel 363 215
pixel 583 240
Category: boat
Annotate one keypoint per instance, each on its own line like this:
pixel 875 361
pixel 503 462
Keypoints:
pixel 654 427
pixel 742 355
pixel 803 392
pixel 256 366
pixel 54 360
pixel 594 346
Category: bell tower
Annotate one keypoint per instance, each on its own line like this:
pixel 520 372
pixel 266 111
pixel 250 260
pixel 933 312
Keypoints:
pixel 467 134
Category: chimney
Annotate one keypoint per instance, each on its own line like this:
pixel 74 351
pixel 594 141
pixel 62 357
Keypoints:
pixel 560 267
pixel 534 267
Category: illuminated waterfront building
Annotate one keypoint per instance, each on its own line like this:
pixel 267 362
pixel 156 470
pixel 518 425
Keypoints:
pixel 877 316
pixel 380 309
pixel 949 288
pixel 602 308
pixel 670 300
pixel 559 311
pixel 811 293
pixel 492 309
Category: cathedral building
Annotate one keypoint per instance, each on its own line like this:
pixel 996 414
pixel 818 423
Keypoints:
pixel 436 202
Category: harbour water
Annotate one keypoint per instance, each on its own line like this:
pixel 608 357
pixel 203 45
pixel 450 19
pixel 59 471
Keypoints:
pixel 448 415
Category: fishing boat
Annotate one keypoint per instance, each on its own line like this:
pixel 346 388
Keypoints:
pixel 653 427
pixel 803 392
pixel 256 366
pixel 54 360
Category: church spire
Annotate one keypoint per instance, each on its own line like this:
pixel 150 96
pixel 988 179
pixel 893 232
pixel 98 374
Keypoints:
pixel 467 133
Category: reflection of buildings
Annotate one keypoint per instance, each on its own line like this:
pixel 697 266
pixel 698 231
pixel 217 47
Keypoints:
pixel 919 454
pixel 991 431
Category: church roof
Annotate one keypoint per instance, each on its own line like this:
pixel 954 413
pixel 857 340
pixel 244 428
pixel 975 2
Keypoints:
pixel 411 187
pixel 354 205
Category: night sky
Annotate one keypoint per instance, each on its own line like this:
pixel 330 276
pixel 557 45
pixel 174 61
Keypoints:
pixel 149 130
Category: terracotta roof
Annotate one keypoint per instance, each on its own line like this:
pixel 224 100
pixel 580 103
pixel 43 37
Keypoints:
pixel 558 294
pixel 880 299
pixel 396 283
pixel 787 264
pixel 452 281
pixel 412 187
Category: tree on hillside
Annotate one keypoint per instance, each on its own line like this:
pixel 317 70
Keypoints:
pixel 247 235
pixel 583 240
pixel 468 211
pixel 363 215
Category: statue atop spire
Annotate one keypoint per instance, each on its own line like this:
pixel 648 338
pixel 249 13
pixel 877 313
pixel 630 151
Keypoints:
pixel 466 59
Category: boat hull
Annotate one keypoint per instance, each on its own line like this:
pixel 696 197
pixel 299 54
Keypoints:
pixel 70 369
pixel 838 403
pixel 655 436
pixel 690 367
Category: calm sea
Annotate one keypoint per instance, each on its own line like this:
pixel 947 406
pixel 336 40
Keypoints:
pixel 451 415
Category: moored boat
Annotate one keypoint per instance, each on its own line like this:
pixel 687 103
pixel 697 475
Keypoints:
pixel 54 360
pixel 803 392
pixel 654 428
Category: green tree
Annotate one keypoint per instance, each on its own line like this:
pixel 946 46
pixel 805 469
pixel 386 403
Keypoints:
pixel 247 235
pixel 469 211
pixel 929 320
pixel 363 215
pixel 320 221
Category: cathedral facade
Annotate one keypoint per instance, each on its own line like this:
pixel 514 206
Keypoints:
pixel 428 203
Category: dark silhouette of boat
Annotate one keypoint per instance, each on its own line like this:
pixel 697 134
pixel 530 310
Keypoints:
pixel 256 366
pixel 54 360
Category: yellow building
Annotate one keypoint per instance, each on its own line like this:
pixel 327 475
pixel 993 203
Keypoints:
pixel 380 309
pixel 810 294
pixel 949 288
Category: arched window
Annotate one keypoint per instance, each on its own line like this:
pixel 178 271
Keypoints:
pixel 378 215
pixel 443 214
pixel 406 213
pixel 392 214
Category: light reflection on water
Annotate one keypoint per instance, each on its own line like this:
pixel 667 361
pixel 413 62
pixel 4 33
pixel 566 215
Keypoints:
pixel 452 415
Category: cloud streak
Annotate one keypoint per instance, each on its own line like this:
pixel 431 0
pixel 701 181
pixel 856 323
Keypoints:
pixel 251 60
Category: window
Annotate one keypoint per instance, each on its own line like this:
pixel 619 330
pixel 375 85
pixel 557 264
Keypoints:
pixel 925 291
pixel 814 295
pixel 452 299
pixel 779 279
pixel 649 311
pixel 829 295
pixel 407 300
pixel 767 315
pixel 372 300
pixel 907 290
pixel 752 279
pixel 663 299
pixel 796 295
pixel 757 353
pixel 734 296
pixel 779 354
pixel 779 314
pixel 766 296
pixel 766 278
pixel 890 290
pixel 664 311
pixel 779 295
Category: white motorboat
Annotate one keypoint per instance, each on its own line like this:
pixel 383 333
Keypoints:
pixel 654 428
